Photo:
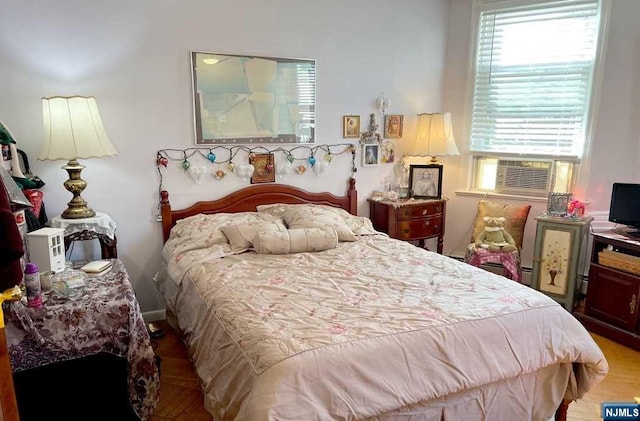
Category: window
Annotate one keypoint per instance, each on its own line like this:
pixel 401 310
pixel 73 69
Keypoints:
pixel 533 73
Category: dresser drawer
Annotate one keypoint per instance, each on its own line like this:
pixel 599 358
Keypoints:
pixel 419 211
pixel 419 228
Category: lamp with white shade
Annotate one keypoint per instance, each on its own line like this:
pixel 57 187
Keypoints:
pixel 434 137
pixel 73 129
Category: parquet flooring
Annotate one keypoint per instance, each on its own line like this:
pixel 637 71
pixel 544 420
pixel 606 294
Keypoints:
pixel 181 398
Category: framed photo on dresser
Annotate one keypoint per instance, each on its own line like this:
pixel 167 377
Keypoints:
pixel 425 181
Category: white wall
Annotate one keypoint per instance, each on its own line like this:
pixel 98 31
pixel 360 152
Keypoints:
pixel 133 56
pixel 615 146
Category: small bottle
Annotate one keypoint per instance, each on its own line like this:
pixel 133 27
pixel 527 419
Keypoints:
pixel 32 282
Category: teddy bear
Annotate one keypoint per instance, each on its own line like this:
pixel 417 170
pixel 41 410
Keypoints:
pixel 494 237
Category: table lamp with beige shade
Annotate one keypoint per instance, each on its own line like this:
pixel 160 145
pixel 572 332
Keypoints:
pixel 73 129
pixel 434 137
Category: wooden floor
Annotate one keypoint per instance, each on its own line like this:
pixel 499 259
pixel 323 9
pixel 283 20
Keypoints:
pixel 181 398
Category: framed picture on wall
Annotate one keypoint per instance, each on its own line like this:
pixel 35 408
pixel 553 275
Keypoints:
pixel 370 154
pixel 246 99
pixel 425 181
pixel 350 126
pixel 264 169
pixel 393 126
pixel 388 153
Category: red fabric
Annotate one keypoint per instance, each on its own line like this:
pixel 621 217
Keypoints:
pixel 35 197
pixel 11 247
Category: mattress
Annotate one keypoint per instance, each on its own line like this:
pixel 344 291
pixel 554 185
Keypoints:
pixel 374 329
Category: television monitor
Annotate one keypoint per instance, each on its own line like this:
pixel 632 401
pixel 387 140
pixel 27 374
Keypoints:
pixel 625 206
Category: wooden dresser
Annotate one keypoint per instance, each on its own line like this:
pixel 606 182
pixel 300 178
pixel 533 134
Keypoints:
pixel 410 220
pixel 612 307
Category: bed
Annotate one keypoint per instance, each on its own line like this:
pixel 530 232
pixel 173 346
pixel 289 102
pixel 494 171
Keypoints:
pixel 364 328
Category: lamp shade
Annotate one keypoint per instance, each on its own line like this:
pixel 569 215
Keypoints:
pixel 434 136
pixel 73 129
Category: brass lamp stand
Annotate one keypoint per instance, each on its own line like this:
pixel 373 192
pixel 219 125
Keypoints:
pixel 76 208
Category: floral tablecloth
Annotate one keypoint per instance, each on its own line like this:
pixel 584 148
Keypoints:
pixel 105 318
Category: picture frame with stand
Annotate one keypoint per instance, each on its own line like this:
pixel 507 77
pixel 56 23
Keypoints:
pixel 425 181
pixel 557 203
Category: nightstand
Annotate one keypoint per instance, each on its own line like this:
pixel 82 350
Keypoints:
pixel 96 337
pixel 101 227
pixel 410 220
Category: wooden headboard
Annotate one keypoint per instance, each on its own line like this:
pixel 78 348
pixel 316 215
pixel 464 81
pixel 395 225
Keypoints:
pixel 246 200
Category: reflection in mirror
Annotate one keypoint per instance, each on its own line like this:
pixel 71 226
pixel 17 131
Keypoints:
pixel 253 100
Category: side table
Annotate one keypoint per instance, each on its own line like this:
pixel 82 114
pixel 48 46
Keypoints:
pixel 76 336
pixel 101 227
pixel 410 220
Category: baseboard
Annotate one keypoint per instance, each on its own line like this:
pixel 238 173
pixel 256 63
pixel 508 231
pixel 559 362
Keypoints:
pixel 497 268
pixel 152 316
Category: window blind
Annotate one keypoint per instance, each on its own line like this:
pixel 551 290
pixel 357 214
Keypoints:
pixel 533 73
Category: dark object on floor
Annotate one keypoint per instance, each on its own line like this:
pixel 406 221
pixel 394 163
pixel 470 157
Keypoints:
pixel 90 388
pixel 155 331
pixel 158 363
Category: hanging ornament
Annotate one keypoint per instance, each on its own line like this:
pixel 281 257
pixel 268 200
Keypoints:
pixel 283 168
pixel 312 160
pixel 245 171
pixel 290 158
pixel 163 161
pixel 211 157
pixel 328 157
pixel 196 173
pixel 320 167
pixel 231 166
pixel 186 164
pixel 382 103
pixel 219 174
pixel 301 169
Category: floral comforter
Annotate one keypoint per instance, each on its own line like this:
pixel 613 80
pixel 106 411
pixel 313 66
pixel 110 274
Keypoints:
pixel 363 329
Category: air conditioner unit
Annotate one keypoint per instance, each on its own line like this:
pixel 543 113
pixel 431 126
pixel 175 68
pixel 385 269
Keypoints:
pixel 528 177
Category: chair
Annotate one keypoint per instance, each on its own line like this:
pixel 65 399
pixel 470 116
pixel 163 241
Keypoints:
pixel 516 219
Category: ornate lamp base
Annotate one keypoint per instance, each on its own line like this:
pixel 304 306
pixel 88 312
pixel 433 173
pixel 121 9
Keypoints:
pixel 77 208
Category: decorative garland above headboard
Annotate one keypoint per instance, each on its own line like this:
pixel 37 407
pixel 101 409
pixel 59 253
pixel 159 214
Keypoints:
pixel 223 160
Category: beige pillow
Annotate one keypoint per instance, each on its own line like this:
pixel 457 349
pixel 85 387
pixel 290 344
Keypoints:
pixel 309 217
pixel 202 231
pixel 295 240
pixel 241 236
pixel 276 210
pixel 515 215
pixel 359 225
